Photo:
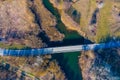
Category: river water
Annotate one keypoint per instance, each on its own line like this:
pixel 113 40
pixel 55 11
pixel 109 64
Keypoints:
pixel 67 61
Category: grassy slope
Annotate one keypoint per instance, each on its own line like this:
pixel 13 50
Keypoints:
pixel 103 22
pixel 86 9
pixel 104 18
pixel 13 46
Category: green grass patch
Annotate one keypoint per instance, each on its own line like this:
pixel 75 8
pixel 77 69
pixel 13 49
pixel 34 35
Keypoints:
pixel 13 46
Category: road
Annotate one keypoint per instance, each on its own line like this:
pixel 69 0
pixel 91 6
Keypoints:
pixel 53 50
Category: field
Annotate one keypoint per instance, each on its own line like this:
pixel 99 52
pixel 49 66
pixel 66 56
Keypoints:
pixel 105 19
pixel 86 8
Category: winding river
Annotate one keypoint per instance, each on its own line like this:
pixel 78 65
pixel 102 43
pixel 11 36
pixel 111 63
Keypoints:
pixel 68 62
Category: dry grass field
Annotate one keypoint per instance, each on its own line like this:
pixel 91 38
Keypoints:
pixel 107 25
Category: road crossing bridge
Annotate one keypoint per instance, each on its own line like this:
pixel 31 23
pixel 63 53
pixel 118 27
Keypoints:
pixel 54 50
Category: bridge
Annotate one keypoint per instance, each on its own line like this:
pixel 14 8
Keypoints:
pixel 53 50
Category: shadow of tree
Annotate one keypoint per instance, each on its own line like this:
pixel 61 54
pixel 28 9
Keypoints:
pixel 111 55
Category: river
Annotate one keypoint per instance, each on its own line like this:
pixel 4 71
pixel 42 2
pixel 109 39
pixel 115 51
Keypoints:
pixel 68 62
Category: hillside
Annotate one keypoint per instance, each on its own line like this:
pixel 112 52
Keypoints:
pixel 22 22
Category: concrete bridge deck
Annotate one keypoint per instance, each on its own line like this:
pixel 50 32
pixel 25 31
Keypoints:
pixel 53 50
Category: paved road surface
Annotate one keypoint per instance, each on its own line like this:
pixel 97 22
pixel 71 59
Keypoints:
pixel 53 50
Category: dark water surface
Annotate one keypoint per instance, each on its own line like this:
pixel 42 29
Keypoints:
pixel 67 61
